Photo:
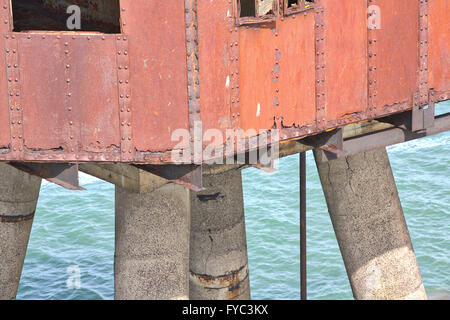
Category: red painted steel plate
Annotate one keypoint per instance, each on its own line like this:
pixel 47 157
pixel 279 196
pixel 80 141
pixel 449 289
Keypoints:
pixel 439 45
pixel 295 88
pixel 95 93
pixel 397 56
pixel 69 92
pixel 214 58
pixel 257 85
pixel 158 75
pixel 44 90
pixel 346 58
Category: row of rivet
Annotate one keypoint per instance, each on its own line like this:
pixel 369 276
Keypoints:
pixel 321 99
pixel 372 84
pixel 234 67
pixel 192 64
pixel 275 76
pixel 123 75
pixel 423 52
pixel 275 80
pixel 68 99
pixel 5 28
pixel 128 151
pixel 14 95
pixel 6 14
pixel 123 17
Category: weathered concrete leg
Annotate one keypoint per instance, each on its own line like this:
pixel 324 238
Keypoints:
pixel 218 257
pixel 152 244
pixel 370 227
pixel 19 193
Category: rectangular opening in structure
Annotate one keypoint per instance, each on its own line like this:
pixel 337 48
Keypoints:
pixel 254 11
pixel 247 8
pixel 66 15
pixel 293 6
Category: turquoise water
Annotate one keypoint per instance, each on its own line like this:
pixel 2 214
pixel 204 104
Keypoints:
pixel 77 229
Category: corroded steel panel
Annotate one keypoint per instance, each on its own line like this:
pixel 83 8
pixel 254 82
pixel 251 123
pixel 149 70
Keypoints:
pixel 295 87
pixel 77 96
pixel 215 45
pixel 275 73
pixel 95 95
pixel 45 116
pixel 276 79
pixel 397 54
pixel 439 45
pixel 258 56
pixel 158 74
pixel 346 58
pixel 69 92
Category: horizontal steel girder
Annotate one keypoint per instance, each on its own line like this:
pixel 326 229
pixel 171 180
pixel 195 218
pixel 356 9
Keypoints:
pixel 384 138
pixel 63 174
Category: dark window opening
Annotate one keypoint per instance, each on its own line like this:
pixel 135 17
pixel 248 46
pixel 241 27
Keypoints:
pixel 294 6
pixel 255 11
pixel 293 3
pixel 248 8
pixel 55 15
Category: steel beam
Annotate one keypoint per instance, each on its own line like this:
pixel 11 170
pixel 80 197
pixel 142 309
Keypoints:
pixel 387 137
pixel 62 174
pixel 188 175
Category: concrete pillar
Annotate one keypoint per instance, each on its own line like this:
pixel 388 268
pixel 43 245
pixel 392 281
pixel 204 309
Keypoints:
pixel 19 193
pixel 370 227
pixel 151 258
pixel 218 257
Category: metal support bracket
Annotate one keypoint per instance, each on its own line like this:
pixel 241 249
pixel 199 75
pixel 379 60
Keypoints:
pixel 422 117
pixel 62 174
pixel 189 175
pixel 383 138
pixel 270 168
pixel 331 143
pixel 265 162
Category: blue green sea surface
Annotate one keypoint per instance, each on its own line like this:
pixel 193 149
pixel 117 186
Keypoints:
pixel 74 228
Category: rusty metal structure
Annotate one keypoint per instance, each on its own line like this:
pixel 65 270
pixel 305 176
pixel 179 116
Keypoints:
pixel 115 91
pixel 104 86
